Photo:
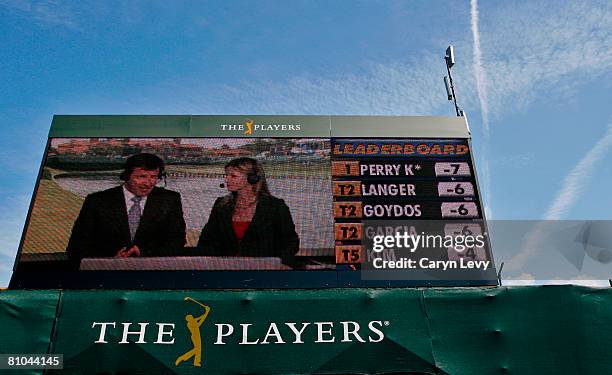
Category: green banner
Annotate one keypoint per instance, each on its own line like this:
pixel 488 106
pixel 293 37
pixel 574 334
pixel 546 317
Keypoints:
pixel 27 319
pixel 267 332
pixel 245 126
pixel 242 126
pixel 525 330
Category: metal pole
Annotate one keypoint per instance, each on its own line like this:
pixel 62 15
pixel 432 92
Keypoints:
pixel 499 278
pixel 450 78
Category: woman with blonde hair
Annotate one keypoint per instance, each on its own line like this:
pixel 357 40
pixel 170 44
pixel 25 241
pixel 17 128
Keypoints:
pixel 249 221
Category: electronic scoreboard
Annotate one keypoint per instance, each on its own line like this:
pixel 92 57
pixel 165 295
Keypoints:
pixel 342 201
pixel 391 179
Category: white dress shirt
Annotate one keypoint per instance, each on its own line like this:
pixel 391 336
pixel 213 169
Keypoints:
pixel 128 195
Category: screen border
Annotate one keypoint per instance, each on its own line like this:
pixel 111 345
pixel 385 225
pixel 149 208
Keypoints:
pixel 421 127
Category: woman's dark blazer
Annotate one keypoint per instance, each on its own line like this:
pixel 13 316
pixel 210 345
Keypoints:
pixel 270 234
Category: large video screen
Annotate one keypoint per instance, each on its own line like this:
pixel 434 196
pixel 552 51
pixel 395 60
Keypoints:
pixel 253 211
pixel 202 204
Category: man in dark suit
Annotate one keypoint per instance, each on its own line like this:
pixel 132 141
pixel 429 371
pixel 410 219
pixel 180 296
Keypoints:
pixel 135 219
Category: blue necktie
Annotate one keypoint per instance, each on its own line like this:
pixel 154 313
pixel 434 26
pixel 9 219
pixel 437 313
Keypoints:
pixel 134 216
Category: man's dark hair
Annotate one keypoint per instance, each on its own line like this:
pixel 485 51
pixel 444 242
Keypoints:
pixel 145 161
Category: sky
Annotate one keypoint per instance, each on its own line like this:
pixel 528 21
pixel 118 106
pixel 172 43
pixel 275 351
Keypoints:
pixel 534 78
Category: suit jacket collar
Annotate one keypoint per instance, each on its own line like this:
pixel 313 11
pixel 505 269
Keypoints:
pixel 228 229
pixel 128 195
pixel 150 209
pixel 118 206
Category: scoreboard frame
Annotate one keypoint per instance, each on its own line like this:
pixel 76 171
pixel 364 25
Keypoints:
pixel 50 276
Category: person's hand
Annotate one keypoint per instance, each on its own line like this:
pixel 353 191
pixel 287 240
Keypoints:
pixel 122 253
pixel 133 251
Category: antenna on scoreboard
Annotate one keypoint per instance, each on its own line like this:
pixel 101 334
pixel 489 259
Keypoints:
pixel 448 80
pixel 499 277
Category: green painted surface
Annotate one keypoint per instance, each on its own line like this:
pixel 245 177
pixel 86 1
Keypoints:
pixel 189 126
pixel 522 330
pixel 399 126
pixel 27 319
pixel 527 330
pixel 264 126
pixel 407 347
pixel 119 126
pixel 285 126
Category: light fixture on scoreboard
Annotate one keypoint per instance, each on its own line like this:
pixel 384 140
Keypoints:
pixel 450 56
pixel 449 92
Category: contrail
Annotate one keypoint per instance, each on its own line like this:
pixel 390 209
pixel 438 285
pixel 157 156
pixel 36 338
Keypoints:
pixel 481 88
pixel 479 72
pixel 573 184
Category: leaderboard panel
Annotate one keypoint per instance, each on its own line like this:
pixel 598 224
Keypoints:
pixel 398 181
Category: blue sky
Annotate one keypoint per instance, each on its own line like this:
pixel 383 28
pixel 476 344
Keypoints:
pixel 534 77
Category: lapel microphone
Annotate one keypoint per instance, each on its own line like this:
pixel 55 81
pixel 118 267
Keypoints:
pixel 222 185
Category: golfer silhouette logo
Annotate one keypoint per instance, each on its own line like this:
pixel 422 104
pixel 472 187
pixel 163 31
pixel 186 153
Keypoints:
pixel 249 125
pixel 193 325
